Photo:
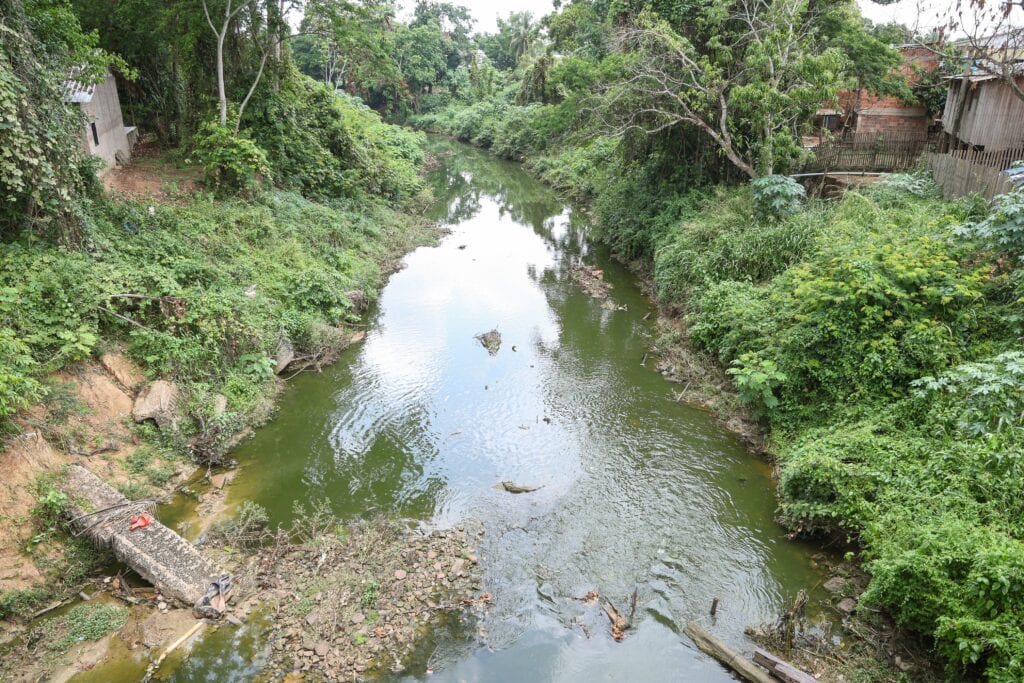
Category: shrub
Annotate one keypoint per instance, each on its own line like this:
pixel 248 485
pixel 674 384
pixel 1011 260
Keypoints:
pixel 728 241
pixel 1003 229
pixel 978 398
pixel 232 163
pixel 18 385
pixel 777 196
pixel 756 380
pixel 918 184
pixel 730 319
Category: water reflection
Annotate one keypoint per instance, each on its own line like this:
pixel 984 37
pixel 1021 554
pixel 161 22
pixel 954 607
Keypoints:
pixel 638 491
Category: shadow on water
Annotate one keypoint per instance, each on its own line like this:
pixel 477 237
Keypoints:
pixel 639 492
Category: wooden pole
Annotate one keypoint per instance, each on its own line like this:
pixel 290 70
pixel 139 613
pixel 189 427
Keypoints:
pixel 726 655
pixel 152 668
pixel 782 670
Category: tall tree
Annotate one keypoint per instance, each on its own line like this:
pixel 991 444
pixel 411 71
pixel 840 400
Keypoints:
pixel 230 10
pixel 748 75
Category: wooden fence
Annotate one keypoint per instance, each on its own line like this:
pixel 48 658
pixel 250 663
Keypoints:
pixel 874 152
pixel 962 172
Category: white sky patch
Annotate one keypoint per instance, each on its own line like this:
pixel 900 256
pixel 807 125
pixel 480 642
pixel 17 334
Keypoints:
pixel 923 14
pixel 926 15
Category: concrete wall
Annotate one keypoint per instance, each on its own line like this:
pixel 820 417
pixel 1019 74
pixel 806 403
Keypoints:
pixel 104 111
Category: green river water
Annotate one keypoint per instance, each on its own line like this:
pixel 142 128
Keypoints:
pixel 639 492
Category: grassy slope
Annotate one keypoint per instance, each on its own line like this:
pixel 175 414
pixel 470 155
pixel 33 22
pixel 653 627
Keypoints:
pixel 215 284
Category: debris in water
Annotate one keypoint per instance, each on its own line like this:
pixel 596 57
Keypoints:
pixel 619 622
pixel 513 487
pixel 610 305
pixel 462 246
pixel 591 280
pixel 590 596
pixel 491 341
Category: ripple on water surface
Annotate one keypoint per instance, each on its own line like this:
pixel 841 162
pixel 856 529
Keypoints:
pixel 638 492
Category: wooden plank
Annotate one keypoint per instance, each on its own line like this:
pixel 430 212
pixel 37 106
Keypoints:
pixel 726 655
pixel 782 669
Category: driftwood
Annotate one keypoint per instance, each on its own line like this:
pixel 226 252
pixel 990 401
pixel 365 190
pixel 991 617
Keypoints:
pixel 513 487
pixel 619 622
pixel 152 668
pixel 782 670
pixel 726 655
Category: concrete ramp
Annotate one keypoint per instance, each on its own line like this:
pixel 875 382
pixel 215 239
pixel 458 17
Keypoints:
pixel 158 554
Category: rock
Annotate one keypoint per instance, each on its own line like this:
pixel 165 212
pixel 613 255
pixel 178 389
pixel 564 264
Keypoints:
pixel 358 618
pixel 835 584
pixel 122 370
pixel 490 341
pixel 284 355
pixel 400 574
pixel 847 605
pixel 357 299
pixel 158 401
pixel 459 567
pixel 221 480
pixel 220 404
pixel 321 648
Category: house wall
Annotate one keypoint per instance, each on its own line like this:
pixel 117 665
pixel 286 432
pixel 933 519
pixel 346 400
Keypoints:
pixel 992 116
pixel 104 110
pixel 894 122
pixel 876 114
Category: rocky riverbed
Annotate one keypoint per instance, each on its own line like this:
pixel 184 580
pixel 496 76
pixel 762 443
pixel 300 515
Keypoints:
pixel 345 601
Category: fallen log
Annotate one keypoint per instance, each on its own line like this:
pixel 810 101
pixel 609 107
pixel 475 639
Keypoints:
pixel 782 669
pixel 726 655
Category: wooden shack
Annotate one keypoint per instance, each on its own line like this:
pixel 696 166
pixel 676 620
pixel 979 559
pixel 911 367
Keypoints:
pixel 983 113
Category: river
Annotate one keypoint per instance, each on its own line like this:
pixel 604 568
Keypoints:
pixel 639 492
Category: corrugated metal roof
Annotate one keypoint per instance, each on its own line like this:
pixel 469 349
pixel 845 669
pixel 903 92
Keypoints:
pixel 76 91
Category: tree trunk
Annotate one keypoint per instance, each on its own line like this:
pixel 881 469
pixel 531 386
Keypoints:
pixel 221 92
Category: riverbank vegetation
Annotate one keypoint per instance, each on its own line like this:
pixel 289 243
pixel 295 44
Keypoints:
pixel 297 213
pixel 226 246
pixel 875 336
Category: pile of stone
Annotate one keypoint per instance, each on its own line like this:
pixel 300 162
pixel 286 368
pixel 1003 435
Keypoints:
pixel 355 601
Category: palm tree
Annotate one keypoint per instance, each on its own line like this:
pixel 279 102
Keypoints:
pixel 522 33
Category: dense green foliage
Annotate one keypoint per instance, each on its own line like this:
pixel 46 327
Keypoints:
pixel 885 358
pixel 200 292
